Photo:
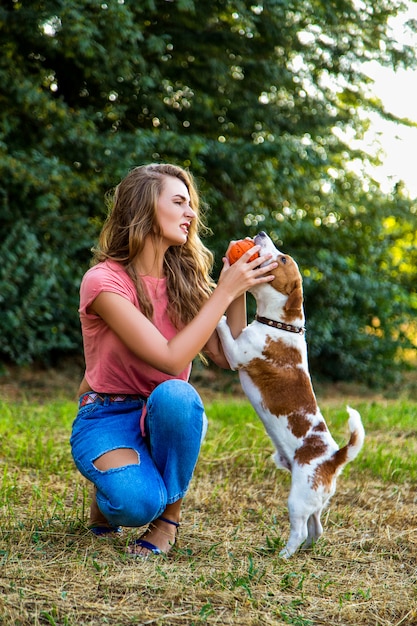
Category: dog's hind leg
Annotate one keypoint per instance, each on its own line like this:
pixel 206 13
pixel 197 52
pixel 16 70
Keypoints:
pixel 299 512
pixel 298 534
pixel 315 530
pixel 304 508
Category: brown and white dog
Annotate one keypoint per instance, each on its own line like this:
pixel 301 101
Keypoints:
pixel 271 356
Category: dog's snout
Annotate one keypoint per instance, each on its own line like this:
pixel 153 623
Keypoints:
pixel 259 238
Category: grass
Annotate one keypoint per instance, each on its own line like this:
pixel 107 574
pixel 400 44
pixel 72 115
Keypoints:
pixel 225 569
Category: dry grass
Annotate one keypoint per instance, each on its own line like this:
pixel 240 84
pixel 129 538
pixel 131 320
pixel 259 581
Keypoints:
pixel 225 568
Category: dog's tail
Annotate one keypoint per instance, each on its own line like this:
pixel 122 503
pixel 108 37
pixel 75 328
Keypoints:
pixel 355 443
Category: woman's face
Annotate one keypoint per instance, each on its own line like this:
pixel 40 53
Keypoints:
pixel 174 213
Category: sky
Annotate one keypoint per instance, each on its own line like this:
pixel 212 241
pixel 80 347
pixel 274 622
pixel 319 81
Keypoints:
pixel 398 92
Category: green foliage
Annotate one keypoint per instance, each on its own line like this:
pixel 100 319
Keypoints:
pixel 357 290
pixel 255 99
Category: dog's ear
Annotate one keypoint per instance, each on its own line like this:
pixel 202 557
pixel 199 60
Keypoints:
pixel 295 300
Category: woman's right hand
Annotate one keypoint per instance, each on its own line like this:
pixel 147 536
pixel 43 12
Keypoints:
pixel 238 278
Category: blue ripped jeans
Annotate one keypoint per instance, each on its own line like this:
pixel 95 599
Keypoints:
pixel 134 495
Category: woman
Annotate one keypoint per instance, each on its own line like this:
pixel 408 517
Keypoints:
pixel 147 308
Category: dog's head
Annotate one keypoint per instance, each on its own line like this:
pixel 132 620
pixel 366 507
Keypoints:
pixel 287 281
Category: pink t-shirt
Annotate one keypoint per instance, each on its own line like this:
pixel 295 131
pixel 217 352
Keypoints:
pixel 110 366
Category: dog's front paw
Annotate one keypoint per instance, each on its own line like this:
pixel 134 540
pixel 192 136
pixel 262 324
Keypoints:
pixel 222 322
pixel 227 342
pixel 223 329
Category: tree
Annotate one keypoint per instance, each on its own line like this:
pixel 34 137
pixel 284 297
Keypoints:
pixel 253 97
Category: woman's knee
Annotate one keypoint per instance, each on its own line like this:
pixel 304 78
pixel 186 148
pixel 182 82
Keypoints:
pixel 125 501
pixel 176 401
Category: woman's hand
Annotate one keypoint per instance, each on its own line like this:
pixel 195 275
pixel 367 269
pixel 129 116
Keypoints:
pixel 233 242
pixel 244 274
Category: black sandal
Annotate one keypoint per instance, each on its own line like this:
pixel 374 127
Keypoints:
pixel 102 531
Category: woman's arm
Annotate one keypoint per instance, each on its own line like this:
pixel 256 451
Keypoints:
pixel 237 321
pixel 172 356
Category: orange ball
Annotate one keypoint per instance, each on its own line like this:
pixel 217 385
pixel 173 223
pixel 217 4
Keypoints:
pixel 239 248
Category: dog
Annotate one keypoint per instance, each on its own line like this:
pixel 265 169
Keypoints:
pixel 271 357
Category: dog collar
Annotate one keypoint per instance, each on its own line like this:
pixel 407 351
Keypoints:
pixel 299 330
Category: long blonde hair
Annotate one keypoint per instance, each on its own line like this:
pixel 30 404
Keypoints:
pixel 133 217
